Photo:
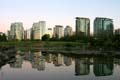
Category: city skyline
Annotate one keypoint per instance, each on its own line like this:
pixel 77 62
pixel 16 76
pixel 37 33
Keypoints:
pixel 60 12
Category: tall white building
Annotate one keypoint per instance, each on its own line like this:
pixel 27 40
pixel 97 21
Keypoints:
pixel 16 31
pixel 39 29
pixel 68 31
pixel 58 31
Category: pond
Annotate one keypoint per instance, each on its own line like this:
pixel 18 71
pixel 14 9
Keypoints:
pixel 57 66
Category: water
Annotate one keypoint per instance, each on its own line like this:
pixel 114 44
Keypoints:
pixel 46 66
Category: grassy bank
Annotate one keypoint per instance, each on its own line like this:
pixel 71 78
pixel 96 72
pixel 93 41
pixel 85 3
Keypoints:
pixel 41 44
pixel 21 43
pixel 45 45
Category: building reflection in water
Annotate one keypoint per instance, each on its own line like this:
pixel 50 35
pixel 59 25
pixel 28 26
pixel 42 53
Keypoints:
pixel 117 61
pixel 103 66
pixel 82 66
pixel 38 61
pixel 18 62
pixel 58 60
pixel 48 58
pixel 29 56
pixel 67 60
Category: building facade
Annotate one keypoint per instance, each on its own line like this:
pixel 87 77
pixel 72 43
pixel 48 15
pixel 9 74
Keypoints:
pixel 103 27
pixel 68 31
pixel 16 31
pixel 28 34
pixel 39 30
pixel 29 31
pixel 82 26
pixel 58 31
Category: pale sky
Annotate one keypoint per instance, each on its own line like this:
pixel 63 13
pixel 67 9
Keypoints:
pixel 56 12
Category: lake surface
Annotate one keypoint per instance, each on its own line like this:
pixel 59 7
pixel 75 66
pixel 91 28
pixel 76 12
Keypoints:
pixel 47 66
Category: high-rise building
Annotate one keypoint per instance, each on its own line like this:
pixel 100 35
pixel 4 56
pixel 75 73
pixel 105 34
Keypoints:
pixel 16 31
pixel 68 31
pixel 58 31
pixel 82 26
pixel 103 27
pixel 39 29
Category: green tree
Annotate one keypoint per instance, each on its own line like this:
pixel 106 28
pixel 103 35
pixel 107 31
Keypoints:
pixel 46 37
pixel 0 37
pixel 4 37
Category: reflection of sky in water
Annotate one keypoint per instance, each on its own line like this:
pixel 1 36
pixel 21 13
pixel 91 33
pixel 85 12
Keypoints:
pixel 59 67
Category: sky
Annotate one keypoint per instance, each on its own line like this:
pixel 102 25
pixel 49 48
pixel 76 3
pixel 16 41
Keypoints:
pixel 56 12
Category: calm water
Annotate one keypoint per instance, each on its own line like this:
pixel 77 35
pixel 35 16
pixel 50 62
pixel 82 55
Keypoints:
pixel 46 66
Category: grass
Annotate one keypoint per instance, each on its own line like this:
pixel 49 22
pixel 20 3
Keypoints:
pixel 41 44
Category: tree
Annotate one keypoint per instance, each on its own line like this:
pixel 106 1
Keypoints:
pixel 46 37
pixel 0 37
pixel 3 37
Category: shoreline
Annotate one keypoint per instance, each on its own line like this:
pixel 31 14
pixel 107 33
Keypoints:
pixel 60 47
